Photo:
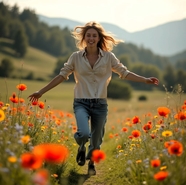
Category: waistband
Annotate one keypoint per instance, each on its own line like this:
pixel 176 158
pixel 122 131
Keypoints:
pixel 94 100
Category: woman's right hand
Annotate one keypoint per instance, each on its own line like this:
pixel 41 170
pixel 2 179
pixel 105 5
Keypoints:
pixel 35 96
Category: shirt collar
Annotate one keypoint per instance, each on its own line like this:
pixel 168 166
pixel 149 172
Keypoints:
pixel 83 52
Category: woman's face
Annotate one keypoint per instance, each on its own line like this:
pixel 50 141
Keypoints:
pixel 91 38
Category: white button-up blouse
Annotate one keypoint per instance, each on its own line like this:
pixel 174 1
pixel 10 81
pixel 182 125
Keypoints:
pixel 92 82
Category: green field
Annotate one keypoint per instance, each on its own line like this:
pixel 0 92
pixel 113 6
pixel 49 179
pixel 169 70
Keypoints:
pixel 61 97
pixel 113 170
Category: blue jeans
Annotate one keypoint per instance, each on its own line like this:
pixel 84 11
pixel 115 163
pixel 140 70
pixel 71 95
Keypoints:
pixel 93 112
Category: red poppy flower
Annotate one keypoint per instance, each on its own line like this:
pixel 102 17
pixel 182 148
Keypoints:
pixel 127 119
pixel 169 143
pixel 184 107
pixel 163 111
pixel 155 163
pixel 136 133
pixel 30 124
pixel 118 147
pixel 74 128
pixel 69 115
pixel 21 87
pixel 1 103
pixel 152 136
pixel 160 176
pixel 135 120
pixel 175 149
pixel 58 122
pixel 35 103
pixel 111 136
pixel 52 153
pixel 124 129
pixel 21 100
pixel 41 105
pixel 28 112
pixel 97 155
pixel 147 127
pixel 130 137
pixel 161 121
pixel 181 116
pixel 30 161
pixel 13 98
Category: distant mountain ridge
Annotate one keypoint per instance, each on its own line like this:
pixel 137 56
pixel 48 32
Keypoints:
pixel 167 39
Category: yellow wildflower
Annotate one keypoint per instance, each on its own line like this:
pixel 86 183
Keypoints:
pixel 138 161
pixel 167 133
pixel 172 123
pixel 4 108
pixel 23 122
pixel 25 139
pixel 12 159
pixel 163 168
pixel 2 115
pixel 7 105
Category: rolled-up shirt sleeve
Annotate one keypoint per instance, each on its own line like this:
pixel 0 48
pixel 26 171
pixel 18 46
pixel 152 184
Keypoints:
pixel 68 67
pixel 118 67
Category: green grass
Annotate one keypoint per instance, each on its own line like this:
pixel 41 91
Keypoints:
pixel 119 167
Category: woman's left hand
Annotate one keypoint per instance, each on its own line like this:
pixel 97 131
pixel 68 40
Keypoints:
pixel 152 80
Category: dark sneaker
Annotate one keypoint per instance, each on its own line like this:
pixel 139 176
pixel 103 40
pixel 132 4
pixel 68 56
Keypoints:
pixel 91 169
pixel 80 158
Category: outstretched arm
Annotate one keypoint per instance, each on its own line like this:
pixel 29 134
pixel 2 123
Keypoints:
pixel 53 83
pixel 137 78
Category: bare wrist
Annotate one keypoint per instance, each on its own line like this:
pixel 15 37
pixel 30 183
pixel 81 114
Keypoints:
pixel 40 92
pixel 145 80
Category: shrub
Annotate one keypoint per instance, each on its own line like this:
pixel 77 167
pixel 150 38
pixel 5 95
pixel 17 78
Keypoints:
pixel 142 98
pixel 6 68
pixel 118 89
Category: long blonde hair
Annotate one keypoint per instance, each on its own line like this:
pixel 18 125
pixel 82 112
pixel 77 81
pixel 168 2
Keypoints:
pixel 107 40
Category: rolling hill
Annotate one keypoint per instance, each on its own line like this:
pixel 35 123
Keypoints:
pixel 37 62
pixel 166 39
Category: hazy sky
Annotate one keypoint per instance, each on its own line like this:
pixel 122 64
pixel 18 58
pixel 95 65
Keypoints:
pixel 132 15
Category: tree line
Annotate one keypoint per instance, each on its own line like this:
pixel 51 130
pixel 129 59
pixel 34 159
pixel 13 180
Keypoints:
pixel 25 29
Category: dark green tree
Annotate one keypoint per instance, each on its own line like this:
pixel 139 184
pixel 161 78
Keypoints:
pixel 181 64
pixel 4 10
pixel 4 31
pixel 30 15
pixel 20 43
pixel 30 31
pixel 169 77
pixel 41 39
pixel 14 11
pixel 14 26
pixel 181 78
pixel 6 68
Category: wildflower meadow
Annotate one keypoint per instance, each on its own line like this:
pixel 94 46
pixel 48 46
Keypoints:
pixel 38 148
